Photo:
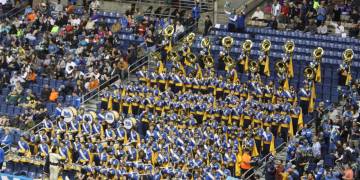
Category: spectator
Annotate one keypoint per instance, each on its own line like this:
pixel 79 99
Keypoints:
pixel 179 28
pixel 311 27
pixel 258 14
pixel 273 24
pixel 348 173
pixel 354 30
pixel 150 42
pixel 339 28
pixel 207 25
pixel 53 95
pixel 94 6
pixel 284 13
pixel 322 29
pixel 195 12
pixel 2 157
pixel 337 13
pixel 321 13
pixel 275 9
pixel 355 16
pixel 238 20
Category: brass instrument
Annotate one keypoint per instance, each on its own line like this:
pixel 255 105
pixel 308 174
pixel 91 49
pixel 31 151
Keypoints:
pixel 253 66
pixel 156 56
pixel 318 53
pixel 205 43
pixel 247 45
pixel 190 38
pixel 348 55
pixel 309 73
pixel 289 46
pixel 227 42
pixel 173 56
pixel 191 58
pixel 265 45
pixel 280 67
pixel 208 61
pixel 229 62
pixel 169 31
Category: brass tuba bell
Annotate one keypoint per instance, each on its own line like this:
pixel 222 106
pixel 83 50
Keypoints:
pixel 229 62
pixel 227 42
pixel 265 45
pixel 173 56
pixel 156 56
pixel 253 66
pixel 309 73
pixel 190 38
pixel 318 53
pixel 348 55
pixel 191 58
pixel 280 67
pixel 208 61
pixel 247 45
pixel 169 31
pixel 289 46
pixel 205 43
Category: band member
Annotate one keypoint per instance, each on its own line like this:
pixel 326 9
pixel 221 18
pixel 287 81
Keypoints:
pixel 297 117
pixel 268 142
pixel 305 94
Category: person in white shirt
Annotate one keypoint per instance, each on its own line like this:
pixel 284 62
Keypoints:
pixel 339 28
pixel 275 9
pixel 258 14
pixel 179 28
pixel 94 6
pixel 322 29
pixel 54 159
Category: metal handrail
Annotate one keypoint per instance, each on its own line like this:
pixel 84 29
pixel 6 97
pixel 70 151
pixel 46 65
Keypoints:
pixel 178 5
pixel 102 86
pixel 17 10
pixel 268 155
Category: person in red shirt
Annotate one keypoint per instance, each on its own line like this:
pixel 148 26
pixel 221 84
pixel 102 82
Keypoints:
pixel 284 13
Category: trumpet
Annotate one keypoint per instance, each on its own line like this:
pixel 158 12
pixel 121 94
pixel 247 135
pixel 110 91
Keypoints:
pixel 247 45
pixel 191 58
pixel 318 53
pixel 309 73
pixel 229 62
pixel 280 67
pixel 173 56
pixel 348 55
pixel 208 61
pixel 289 46
pixel 169 31
pixel 190 38
pixel 265 45
pixel 156 56
pixel 253 66
pixel 227 42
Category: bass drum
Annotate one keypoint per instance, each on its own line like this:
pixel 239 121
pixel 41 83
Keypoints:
pixel 111 116
pixel 69 113
pixel 89 116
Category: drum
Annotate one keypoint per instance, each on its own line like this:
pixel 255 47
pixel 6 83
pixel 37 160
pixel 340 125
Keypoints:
pixel 90 116
pixel 69 113
pixel 111 116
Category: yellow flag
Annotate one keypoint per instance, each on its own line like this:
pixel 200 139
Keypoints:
pixel 291 67
pixel 286 84
pixel 168 48
pixel 161 67
pixel 318 74
pixel 267 66
pixel 235 77
pixel 272 145
pixel 291 128
pixel 348 78
pixel 199 72
pixel 300 120
pixel 312 98
pixel 238 161
pixel 246 65
pixel 110 103
pixel 254 151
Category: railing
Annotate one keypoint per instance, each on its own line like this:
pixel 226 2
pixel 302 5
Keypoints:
pixel 256 169
pixel 14 11
pixel 205 6
pixel 85 98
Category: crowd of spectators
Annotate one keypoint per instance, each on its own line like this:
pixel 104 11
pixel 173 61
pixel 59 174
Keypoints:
pixel 330 150
pixel 314 16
